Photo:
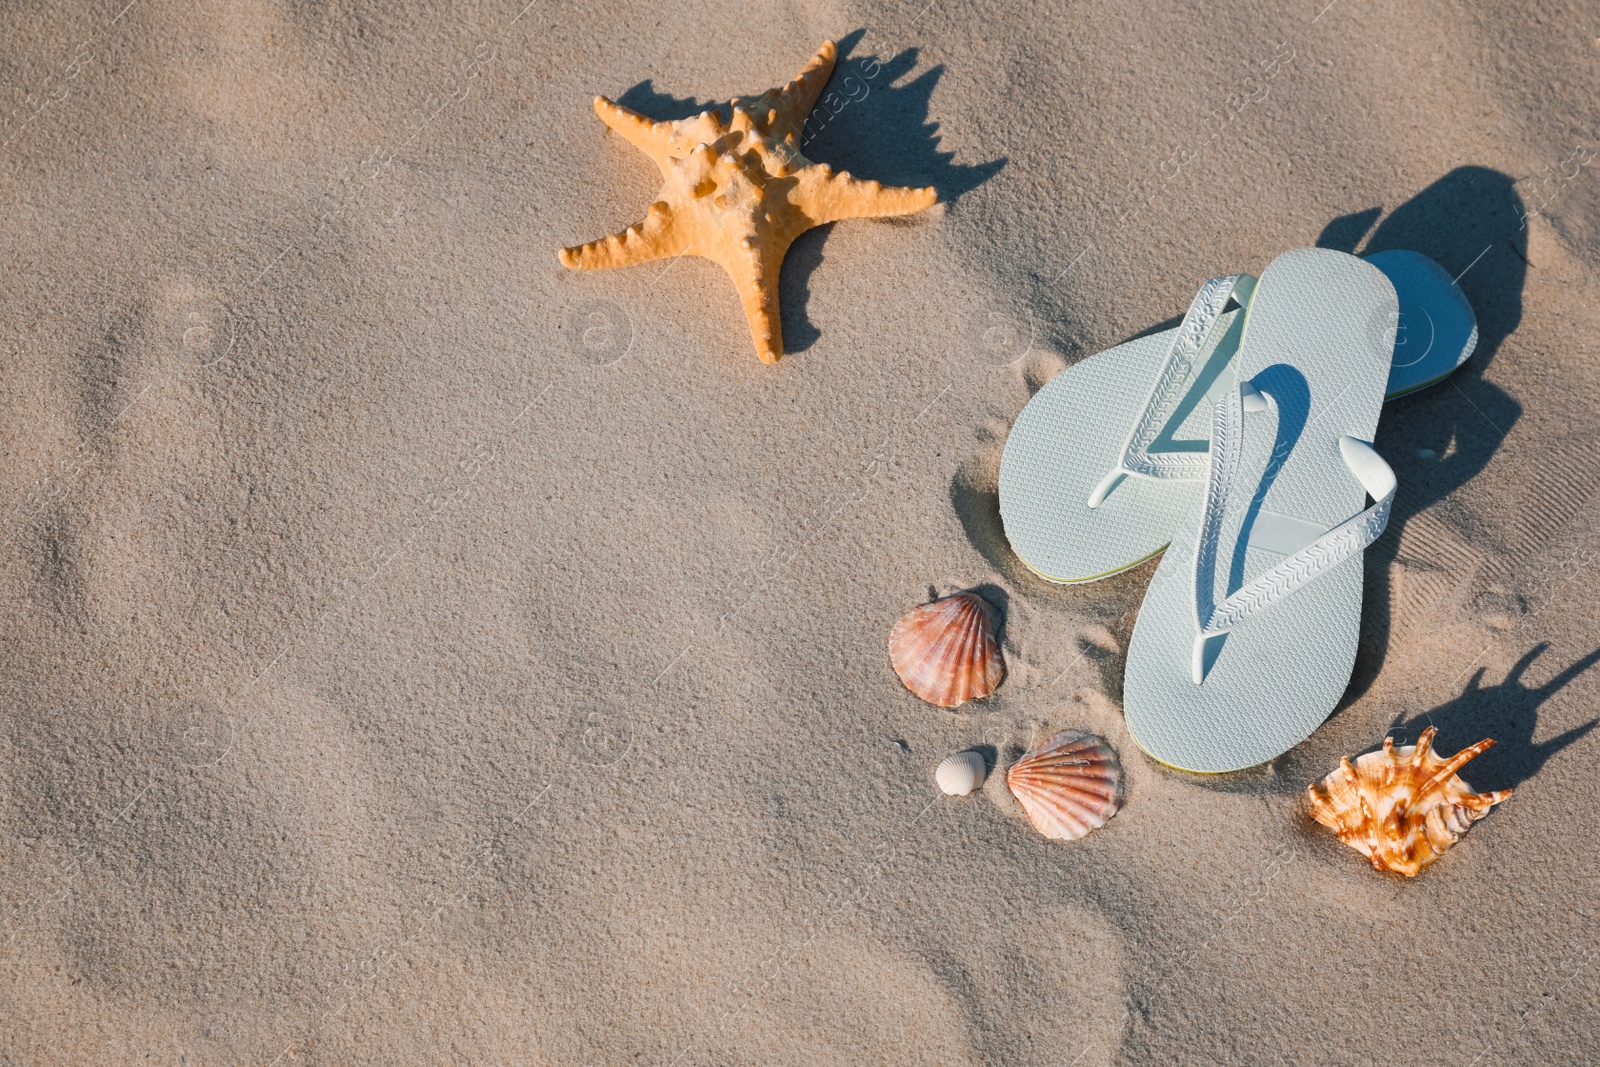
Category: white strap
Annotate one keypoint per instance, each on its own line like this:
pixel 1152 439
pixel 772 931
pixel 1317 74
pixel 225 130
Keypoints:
pixel 1292 572
pixel 1188 341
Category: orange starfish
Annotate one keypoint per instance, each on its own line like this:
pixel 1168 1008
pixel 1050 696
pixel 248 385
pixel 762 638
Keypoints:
pixel 740 193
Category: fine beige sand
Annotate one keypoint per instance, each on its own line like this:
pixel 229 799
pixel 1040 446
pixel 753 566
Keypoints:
pixel 418 653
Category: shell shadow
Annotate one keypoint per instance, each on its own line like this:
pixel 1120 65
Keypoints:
pixel 991 759
pixel 999 600
pixel 1507 712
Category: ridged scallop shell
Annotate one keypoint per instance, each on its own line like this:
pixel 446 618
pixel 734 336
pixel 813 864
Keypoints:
pixel 961 773
pixel 1069 786
pixel 946 652
pixel 1401 807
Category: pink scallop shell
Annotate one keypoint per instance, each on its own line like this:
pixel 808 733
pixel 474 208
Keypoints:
pixel 1069 786
pixel 945 652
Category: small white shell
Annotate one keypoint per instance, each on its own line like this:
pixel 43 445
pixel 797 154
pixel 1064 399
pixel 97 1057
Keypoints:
pixel 961 773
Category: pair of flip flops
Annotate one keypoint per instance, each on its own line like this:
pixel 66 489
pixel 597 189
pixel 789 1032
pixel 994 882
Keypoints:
pixel 1240 442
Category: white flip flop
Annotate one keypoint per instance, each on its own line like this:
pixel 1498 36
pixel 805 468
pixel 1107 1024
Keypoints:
pixel 1247 634
pixel 1434 331
pixel 1106 459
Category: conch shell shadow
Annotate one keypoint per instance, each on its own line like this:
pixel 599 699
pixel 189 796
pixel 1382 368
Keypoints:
pixel 1508 712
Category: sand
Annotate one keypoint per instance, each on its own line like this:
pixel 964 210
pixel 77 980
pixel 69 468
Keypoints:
pixel 391 678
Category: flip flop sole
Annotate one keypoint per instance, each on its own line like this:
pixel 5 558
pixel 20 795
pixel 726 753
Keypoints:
pixel 1072 431
pixel 1276 676
pixel 1435 330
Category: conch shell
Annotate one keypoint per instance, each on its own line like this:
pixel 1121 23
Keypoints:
pixel 1402 807
pixel 946 652
pixel 1069 785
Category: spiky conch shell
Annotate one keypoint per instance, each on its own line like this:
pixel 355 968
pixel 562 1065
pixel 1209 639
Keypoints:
pixel 1401 807
pixel 1069 786
pixel 946 653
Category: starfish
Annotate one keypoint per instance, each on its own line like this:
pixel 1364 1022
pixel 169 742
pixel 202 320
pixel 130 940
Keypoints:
pixel 739 193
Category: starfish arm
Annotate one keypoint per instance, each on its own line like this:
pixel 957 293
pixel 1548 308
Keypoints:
pixel 755 274
pixel 828 197
pixel 795 100
pixel 655 238
pixel 654 139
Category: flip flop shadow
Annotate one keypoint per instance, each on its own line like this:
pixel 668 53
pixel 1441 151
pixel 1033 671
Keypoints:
pixel 1439 439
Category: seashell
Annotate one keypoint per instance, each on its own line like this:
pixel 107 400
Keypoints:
pixel 1402 807
pixel 1069 785
pixel 946 652
pixel 961 773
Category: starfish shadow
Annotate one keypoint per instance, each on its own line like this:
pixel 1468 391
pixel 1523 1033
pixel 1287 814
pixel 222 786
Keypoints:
pixel 664 107
pixel 869 125
pixel 1507 712
pixel 872 127
pixel 864 122
pixel 794 288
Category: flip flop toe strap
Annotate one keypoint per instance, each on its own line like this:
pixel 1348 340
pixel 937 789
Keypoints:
pixel 1294 571
pixel 1188 342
